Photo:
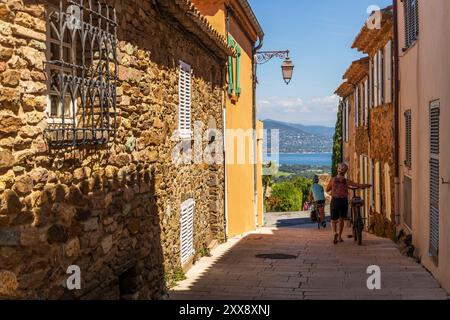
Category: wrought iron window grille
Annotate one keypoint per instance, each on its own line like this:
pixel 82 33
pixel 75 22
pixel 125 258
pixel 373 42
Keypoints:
pixel 82 74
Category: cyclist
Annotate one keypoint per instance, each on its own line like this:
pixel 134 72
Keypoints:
pixel 338 187
pixel 317 194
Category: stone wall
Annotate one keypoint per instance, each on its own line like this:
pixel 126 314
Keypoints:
pixel 362 141
pixel 382 150
pixel 113 211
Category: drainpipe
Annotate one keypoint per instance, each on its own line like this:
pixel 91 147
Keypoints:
pixel 397 118
pixel 255 135
pixel 224 128
pixel 224 115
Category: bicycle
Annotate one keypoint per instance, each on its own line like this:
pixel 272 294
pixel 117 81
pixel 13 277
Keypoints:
pixel 315 215
pixel 357 222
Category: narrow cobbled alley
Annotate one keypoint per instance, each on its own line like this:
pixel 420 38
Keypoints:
pixel 301 263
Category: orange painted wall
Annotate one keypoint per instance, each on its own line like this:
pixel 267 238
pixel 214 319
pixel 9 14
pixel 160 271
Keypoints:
pixel 242 203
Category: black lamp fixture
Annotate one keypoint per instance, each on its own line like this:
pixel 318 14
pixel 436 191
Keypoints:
pixel 287 67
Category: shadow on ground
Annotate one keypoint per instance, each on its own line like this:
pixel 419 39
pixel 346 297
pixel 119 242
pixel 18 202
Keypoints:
pixel 302 264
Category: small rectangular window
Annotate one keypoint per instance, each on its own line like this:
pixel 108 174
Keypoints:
pixel 185 96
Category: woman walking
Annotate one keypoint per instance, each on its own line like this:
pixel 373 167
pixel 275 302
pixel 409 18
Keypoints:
pixel 339 203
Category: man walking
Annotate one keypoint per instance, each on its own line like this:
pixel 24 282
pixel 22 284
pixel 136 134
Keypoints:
pixel 339 203
pixel 317 194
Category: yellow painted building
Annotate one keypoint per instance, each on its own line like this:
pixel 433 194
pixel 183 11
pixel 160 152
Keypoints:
pixel 235 20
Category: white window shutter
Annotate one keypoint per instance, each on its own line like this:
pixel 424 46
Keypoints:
pixel 366 102
pixel 345 119
pixel 387 191
pixel 347 114
pixel 380 77
pixel 366 191
pixel 388 72
pixel 184 92
pixel 361 169
pixel 356 99
pixel 361 105
pixel 372 182
pixel 375 80
pixel 363 109
pixel 369 96
pixel 187 231
pixel 377 187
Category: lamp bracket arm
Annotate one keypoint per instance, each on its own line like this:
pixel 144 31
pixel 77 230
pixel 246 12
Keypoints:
pixel 263 57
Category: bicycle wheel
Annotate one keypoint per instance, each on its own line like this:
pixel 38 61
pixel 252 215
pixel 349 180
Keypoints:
pixel 353 225
pixel 359 227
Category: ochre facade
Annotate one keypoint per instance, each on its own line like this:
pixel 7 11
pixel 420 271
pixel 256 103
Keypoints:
pixel 235 20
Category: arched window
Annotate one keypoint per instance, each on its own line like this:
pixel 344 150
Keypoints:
pixel 82 72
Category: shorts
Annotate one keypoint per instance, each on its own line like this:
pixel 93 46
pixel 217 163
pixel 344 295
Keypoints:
pixel 320 203
pixel 339 208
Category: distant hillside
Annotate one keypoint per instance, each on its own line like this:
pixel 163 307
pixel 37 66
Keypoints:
pixel 298 138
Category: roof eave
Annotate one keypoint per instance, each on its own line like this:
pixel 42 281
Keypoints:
pixel 193 21
pixel 252 17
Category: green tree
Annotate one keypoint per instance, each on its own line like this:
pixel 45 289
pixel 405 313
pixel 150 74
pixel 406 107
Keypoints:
pixel 286 197
pixel 337 142
pixel 304 185
pixel 269 170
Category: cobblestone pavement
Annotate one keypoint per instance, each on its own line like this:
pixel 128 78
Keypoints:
pixel 289 219
pixel 319 270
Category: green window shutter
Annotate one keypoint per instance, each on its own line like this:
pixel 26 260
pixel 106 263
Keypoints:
pixel 231 43
pixel 238 70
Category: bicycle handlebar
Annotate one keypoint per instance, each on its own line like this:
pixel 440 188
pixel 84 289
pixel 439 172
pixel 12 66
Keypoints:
pixel 357 188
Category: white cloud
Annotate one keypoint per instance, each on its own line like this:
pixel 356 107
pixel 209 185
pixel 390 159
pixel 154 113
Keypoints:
pixel 316 110
pixel 326 101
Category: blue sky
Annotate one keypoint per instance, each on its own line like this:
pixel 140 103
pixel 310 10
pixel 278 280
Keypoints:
pixel 319 35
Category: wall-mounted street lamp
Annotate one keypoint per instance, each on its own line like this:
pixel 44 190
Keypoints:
pixel 287 67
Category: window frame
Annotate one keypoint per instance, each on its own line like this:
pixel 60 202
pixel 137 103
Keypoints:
pixel 70 118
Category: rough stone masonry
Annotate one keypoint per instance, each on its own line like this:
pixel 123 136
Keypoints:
pixel 113 211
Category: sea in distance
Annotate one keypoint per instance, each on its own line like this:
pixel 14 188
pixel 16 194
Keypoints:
pixel 305 159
